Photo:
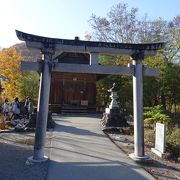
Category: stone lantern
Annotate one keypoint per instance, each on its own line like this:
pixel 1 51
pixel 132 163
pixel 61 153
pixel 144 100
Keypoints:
pixel 113 105
pixel 113 118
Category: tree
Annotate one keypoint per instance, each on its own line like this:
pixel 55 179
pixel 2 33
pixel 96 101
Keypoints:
pixel 168 83
pixel 124 83
pixel 122 25
pixel 172 53
pixel 28 85
pixel 9 66
pixel 170 86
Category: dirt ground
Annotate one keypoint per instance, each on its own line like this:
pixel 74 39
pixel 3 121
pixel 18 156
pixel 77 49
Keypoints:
pixel 16 147
pixel 161 169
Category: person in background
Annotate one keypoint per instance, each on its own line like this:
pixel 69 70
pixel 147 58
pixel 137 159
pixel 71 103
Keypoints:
pixel 30 108
pixel 6 109
pixel 16 108
pixel 26 103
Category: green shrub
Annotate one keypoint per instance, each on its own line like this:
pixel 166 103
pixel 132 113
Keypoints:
pixel 155 114
pixel 149 122
pixel 173 142
pixel 150 111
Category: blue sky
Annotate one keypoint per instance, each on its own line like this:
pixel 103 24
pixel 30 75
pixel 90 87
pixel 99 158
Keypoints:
pixel 68 18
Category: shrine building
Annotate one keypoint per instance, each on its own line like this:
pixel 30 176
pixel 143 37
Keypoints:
pixel 72 92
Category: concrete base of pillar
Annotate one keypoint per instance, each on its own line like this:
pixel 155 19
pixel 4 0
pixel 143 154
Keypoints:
pixel 30 160
pixel 140 159
pixel 157 152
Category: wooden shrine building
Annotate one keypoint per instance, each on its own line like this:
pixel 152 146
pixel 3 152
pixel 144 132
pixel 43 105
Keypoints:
pixel 72 92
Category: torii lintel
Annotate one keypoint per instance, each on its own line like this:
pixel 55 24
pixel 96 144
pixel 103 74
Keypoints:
pixel 76 45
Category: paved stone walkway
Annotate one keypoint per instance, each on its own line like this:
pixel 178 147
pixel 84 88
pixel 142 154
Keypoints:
pixel 81 151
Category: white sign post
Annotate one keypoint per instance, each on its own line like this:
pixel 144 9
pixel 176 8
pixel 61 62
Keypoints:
pixel 160 140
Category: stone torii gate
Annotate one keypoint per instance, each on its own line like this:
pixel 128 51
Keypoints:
pixel 48 46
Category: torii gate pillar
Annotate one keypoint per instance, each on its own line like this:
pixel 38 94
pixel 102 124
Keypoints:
pixel 42 109
pixel 138 154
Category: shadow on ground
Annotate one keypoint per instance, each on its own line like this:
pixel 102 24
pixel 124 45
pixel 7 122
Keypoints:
pixel 76 131
pixel 94 170
pixel 12 166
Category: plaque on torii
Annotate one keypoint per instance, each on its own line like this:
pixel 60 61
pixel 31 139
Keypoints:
pixel 49 46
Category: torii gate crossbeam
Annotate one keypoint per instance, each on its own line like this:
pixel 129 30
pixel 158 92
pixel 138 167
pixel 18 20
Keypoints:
pixel 48 46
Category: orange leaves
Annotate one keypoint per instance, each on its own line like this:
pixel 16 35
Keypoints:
pixel 9 68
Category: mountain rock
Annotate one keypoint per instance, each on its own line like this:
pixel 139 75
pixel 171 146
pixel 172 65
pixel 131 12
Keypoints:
pixel 29 55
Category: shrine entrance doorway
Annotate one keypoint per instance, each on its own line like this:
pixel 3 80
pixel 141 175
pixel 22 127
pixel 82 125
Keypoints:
pixel 69 90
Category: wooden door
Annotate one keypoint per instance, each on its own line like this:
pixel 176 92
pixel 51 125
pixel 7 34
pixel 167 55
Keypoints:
pixel 56 91
pixel 73 91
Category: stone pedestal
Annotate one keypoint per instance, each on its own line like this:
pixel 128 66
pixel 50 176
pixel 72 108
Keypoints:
pixel 113 120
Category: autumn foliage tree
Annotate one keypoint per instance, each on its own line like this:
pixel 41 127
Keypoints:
pixel 10 71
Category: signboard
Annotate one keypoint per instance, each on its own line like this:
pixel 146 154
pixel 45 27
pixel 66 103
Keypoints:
pixel 160 140
pixel 160 137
